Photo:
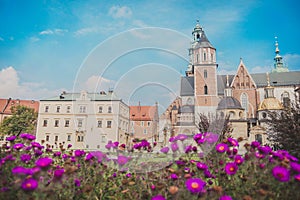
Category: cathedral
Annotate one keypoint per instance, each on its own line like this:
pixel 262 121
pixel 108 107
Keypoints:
pixel 242 96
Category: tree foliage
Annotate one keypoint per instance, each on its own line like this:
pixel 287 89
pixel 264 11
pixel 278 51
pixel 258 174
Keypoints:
pixel 284 129
pixel 23 119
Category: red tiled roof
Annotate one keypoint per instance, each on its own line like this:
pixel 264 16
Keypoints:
pixel 142 113
pixel 6 104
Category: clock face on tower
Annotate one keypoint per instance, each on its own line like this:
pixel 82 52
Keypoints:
pixel 189 101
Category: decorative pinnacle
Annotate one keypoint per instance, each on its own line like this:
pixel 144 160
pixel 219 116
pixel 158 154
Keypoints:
pixel 227 82
pixel 268 79
pixel 276 45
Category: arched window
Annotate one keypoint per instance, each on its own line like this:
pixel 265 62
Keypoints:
pixel 204 56
pixel 285 99
pixel 205 73
pixel 258 138
pixel 205 89
pixel 244 100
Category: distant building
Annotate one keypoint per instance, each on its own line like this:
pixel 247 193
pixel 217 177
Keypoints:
pixel 144 122
pixel 7 104
pixel 243 96
pixel 85 120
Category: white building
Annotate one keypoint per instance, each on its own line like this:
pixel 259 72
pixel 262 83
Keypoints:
pixel 85 120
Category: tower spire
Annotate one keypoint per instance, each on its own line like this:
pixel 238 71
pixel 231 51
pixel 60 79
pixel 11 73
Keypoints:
pixel 278 65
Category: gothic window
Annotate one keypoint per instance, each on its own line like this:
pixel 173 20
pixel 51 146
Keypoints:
pixel 244 100
pixel 205 73
pixel 286 99
pixel 205 89
pixel 204 56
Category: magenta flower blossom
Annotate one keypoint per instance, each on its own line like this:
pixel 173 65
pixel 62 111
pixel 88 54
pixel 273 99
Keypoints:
pixel 281 173
pixel 210 138
pixel 188 148
pixel 172 139
pixel 222 147
pixel 21 170
pixel 174 176
pixel 25 158
pixel 115 145
pixel 297 177
pixel 158 197
pixel 11 138
pixel 174 146
pixel 27 136
pixel 69 146
pixel 57 154
pixel 233 142
pixel 165 150
pixel 265 149
pixel 77 182
pixel 58 173
pixel 181 137
pixel 79 153
pixel 225 198
pixel 109 145
pixel 231 168
pixel 89 156
pixel 238 159
pixel 43 162
pixel 29 184
pixel 122 160
pixel 201 166
pixel 255 144
pixel 35 144
pixel 195 185
pixel 295 166
pixel 18 146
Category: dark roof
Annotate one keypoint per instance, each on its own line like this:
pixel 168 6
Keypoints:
pixel 187 86
pixel 277 79
pixel 186 109
pixel 229 103
pixel 221 82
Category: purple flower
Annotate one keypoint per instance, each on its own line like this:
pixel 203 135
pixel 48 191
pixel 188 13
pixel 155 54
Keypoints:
pixel 265 149
pixel 128 175
pixel 115 145
pixel 181 137
pixel 225 198
pixel 38 152
pixel 79 153
pixel 58 173
pixel 238 159
pixel 122 160
pixel 89 156
pixel 77 183
pixel 281 173
pixel 255 144
pixel 29 184
pixel 158 197
pixel 21 170
pixel 18 146
pixel 109 145
pixel 165 150
pixel 231 168
pixel 195 185
pixel 57 154
pixel 172 139
pixel 69 146
pixel 222 147
pixel 43 162
pixel 65 156
pixel 210 138
pixel 35 144
pixel 188 149
pixel 27 136
pixel 198 136
pixel 201 166
pixel 233 142
pixel 174 176
pixel 207 174
pixel 25 158
pixel 11 138
pixel 174 146
pixel 297 177
pixel 295 166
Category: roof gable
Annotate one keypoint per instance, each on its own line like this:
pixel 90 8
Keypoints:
pixel 242 78
pixel 142 113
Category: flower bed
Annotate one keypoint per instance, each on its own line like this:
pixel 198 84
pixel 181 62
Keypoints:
pixel 183 170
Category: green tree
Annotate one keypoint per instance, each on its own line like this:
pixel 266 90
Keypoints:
pixel 23 119
pixel 284 129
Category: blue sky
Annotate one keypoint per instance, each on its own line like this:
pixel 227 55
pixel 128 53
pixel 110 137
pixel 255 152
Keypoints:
pixel 50 46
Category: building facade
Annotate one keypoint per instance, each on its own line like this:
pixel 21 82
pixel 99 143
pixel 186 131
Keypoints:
pixel 242 95
pixel 85 120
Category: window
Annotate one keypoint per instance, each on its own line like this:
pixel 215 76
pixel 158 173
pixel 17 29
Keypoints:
pixel 46 108
pixel 103 139
pixel 108 125
pixel 149 123
pixel 57 109
pixel 204 56
pixel 205 89
pixel 212 56
pixel 197 61
pixel 45 123
pixel 145 131
pixel 142 123
pixel 205 73
pixel 68 109
pixel 87 146
pixel 47 138
pixel 244 100
pixel 67 123
pixel 69 138
pixel 56 138
pixel 98 146
pixel 99 124
pixel 258 138
pixel 82 109
pixel 100 109
pixel 264 115
pixel 79 138
pixel 56 123
pixel 109 109
pixel 79 123
pixel 286 99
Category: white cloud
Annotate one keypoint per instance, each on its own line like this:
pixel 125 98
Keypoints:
pixel 85 31
pixel 34 39
pixel 260 69
pixel 120 12
pixel 97 83
pixel 56 31
pixel 12 87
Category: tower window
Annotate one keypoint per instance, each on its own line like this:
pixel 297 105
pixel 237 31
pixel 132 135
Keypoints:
pixel 205 73
pixel 244 100
pixel 205 89
pixel 212 56
pixel 204 56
